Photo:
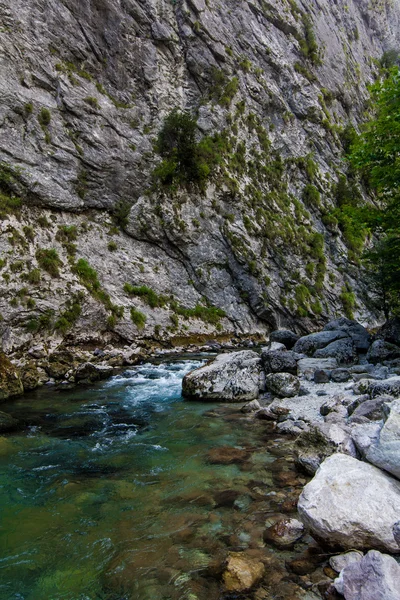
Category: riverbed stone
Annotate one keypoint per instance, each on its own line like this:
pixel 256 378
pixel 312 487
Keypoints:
pixel 89 373
pixel 10 381
pixel 371 408
pixel 340 561
pixel 375 577
pixel 232 377
pixel 308 344
pixel 284 336
pixel 251 407
pixel 322 376
pixel 340 375
pixel 284 533
pixel 283 385
pixel 306 367
pixel 352 504
pixel 242 572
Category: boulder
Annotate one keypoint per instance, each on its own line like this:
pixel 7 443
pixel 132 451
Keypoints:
pixel 285 533
pixel 306 367
pixel 390 387
pixel 381 350
pixel 251 407
pixel 279 362
pixel 365 434
pixel 283 385
pixel 375 577
pixel 371 409
pixel 322 376
pixel 344 351
pixel 10 381
pixel 340 375
pixel 339 562
pixel 284 336
pixel 352 504
pixel 357 332
pixel 89 373
pixel 233 377
pixel 390 331
pixel 242 572
pixel 7 422
pixel 384 452
pixel 308 344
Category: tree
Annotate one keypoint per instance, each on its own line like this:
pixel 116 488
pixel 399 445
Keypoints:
pixel 376 154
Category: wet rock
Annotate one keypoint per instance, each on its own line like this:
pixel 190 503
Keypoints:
pixel 351 504
pixel 279 362
pixel 283 385
pixel 339 562
pixel 340 375
pixel 375 577
pixel 7 422
pixel 226 498
pixel 227 455
pixel 321 376
pixel 357 332
pixel 315 341
pixel 242 572
pixel 384 452
pixel 89 373
pixel 292 427
pixel 284 336
pixel 251 407
pixel 285 533
pixel 343 350
pixel 233 377
pixel 30 376
pixel 381 350
pixel 10 381
pixel 306 367
pixel 308 561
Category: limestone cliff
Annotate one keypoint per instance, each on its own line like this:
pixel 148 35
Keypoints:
pixel 85 86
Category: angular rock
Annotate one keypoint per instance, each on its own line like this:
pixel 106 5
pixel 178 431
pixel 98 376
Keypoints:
pixel 233 377
pixel 242 572
pixel 88 372
pixel 381 350
pixel 391 387
pixel 315 341
pixel 390 331
pixel 10 381
pixel 371 409
pixel 307 366
pixel 385 451
pixel 340 375
pixel 285 533
pixel 339 562
pixel 322 376
pixel 283 385
pixel 344 351
pixel 365 434
pixel 351 504
pixel 279 362
pixel 375 577
pixel 357 332
pixel 251 407
pixel 284 336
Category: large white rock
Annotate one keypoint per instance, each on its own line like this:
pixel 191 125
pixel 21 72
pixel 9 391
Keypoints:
pixel 352 504
pixel 385 451
pixel 232 377
pixel 375 577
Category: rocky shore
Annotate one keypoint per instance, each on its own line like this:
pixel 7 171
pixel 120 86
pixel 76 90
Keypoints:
pixel 337 394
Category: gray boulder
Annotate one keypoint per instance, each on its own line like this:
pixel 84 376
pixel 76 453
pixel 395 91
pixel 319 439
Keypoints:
pixel 232 377
pixel 251 407
pixel 340 375
pixel 10 381
pixel 375 577
pixel 340 561
pixel 279 362
pixel 381 350
pixel 89 373
pixel 391 387
pixel 390 331
pixel 352 504
pixel 308 344
pixel 306 367
pixel 371 409
pixel 385 451
pixel 343 350
pixel 284 336
pixel 365 434
pixel 322 376
pixel 357 332
pixel 283 385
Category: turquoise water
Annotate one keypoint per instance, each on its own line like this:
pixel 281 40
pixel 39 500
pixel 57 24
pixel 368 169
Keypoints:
pixel 110 492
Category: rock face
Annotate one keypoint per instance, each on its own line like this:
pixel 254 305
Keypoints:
pixel 375 577
pixel 283 385
pixel 233 377
pixel 81 108
pixel 10 382
pixel 352 504
pixel 242 572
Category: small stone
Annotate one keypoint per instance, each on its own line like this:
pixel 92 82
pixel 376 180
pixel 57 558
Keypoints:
pixel 242 572
pixel 285 533
pixel 321 376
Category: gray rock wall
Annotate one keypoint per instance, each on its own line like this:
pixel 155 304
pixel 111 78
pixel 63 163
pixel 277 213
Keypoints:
pixel 108 72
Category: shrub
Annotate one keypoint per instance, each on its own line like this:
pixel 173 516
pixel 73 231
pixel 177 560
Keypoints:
pixel 138 318
pixel 69 317
pixel 87 274
pixel 67 233
pixel 112 246
pixel 348 300
pixel 121 213
pixel 311 195
pixel 149 296
pixel 44 117
pixel 49 260
pixel 93 102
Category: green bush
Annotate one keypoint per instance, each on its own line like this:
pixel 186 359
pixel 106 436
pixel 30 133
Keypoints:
pixel 44 117
pixel 67 233
pixel 311 195
pixel 49 260
pixel 69 317
pixel 87 274
pixel 93 102
pixel 348 300
pixel 138 318
pixel 149 296
pixel 112 246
